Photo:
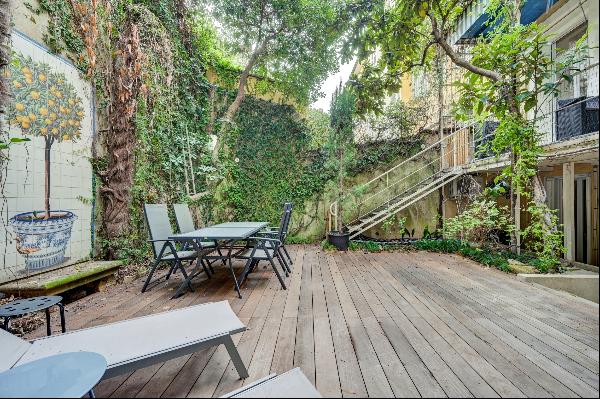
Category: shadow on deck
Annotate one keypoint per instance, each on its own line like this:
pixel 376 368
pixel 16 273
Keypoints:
pixel 387 324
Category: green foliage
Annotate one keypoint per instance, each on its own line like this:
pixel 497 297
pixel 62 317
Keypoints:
pixel 273 162
pixel 508 76
pixel 544 236
pixel 480 222
pixel 487 256
pixel 515 101
pixel 6 144
pixel 61 35
pixel 374 246
pixel 327 246
pixel 293 42
pixel 340 145
pixel 401 32
pixel 367 246
pixel 319 130
pixel 482 255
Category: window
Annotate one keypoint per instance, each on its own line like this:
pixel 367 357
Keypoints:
pixel 578 87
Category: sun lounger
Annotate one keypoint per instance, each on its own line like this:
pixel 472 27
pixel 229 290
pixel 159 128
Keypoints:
pixel 292 384
pixel 136 343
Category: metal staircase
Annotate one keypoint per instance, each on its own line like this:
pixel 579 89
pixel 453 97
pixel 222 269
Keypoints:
pixel 401 186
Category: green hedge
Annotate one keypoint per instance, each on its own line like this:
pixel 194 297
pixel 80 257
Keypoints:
pixel 274 162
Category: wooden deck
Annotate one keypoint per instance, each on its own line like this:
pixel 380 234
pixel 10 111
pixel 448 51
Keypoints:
pixel 380 325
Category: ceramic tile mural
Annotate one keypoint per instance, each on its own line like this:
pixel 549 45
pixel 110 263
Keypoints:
pixel 46 210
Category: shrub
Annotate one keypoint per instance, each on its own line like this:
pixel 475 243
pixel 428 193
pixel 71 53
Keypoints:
pixel 485 255
pixel 480 222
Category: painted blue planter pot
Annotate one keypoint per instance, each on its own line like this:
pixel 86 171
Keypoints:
pixel 43 241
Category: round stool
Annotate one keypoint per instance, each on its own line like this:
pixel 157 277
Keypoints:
pixel 22 307
pixel 66 375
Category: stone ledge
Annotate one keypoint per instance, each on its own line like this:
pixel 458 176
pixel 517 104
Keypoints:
pixel 60 280
pixel 581 285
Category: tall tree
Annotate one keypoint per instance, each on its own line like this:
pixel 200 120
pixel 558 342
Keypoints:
pixel 291 41
pixel 340 143
pixel 505 78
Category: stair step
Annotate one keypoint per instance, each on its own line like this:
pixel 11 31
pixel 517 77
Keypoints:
pixel 401 201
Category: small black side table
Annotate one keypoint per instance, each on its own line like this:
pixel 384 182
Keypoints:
pixel 22 307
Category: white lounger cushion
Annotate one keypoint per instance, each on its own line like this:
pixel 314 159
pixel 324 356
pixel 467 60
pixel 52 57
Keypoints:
pixel 291 384
pixel 143 337
pixel 12 349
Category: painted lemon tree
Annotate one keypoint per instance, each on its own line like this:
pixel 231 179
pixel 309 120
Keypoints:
pixel 45 106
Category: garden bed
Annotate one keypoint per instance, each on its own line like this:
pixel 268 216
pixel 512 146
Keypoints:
pixel 500 258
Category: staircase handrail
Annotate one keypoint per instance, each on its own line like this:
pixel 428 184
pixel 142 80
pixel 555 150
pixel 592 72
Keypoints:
pixel 333 207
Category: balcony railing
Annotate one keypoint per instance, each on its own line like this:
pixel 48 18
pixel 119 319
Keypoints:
pixel 576 117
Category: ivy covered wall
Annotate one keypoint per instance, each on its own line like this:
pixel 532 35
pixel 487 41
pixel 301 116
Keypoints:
pixel 277 152
pixel 273 162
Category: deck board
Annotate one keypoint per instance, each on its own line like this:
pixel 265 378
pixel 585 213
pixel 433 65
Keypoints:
pixel 381 325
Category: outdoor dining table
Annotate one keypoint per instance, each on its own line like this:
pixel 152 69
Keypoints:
pixel 225 235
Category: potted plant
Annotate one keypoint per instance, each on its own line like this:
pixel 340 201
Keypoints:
pixel 46 106
pixel 340 145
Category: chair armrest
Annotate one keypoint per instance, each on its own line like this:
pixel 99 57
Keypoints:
pixel 265 239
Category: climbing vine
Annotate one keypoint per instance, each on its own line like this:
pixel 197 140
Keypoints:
pixel 162 80
pixel 273 162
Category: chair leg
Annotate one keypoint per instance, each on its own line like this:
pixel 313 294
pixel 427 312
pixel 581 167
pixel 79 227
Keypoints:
pixel 235 357
pixel 253 265
pixel 210 267
pixel 221 255
pixel 285 264
pixel 172 269
pixel 150 274
pixel 282 263
pixel 277 273
pixel 237 286
pixel 203 263
pixel 185 275
pixel 287 254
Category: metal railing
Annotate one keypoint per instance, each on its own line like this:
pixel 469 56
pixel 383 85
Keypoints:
pixel 444 156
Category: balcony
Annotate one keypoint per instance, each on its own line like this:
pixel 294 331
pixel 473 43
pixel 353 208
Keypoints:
pixel 473 22
pixel 576 117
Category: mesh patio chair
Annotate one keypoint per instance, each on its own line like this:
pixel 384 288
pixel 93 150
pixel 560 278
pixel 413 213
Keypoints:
pixel 185 224
pixel 165 250
pixel 280 232
pixel 268 245
pixel 263 248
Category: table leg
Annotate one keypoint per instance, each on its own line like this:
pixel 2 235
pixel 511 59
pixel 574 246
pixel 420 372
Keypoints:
pixel 6 321
pixel 63 323
pixel 91 394
pixel 48 328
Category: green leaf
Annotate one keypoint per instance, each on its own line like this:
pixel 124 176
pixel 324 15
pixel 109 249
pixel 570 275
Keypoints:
pixel 530 103
pixel 19 139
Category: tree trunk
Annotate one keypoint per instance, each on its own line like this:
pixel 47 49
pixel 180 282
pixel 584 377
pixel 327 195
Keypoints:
pixel 47 149
pixel 239 98
pixel 118 177
pixel 340 210
pixel 440 77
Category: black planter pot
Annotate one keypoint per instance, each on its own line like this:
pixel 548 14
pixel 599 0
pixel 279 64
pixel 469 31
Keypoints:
pixel 339 240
